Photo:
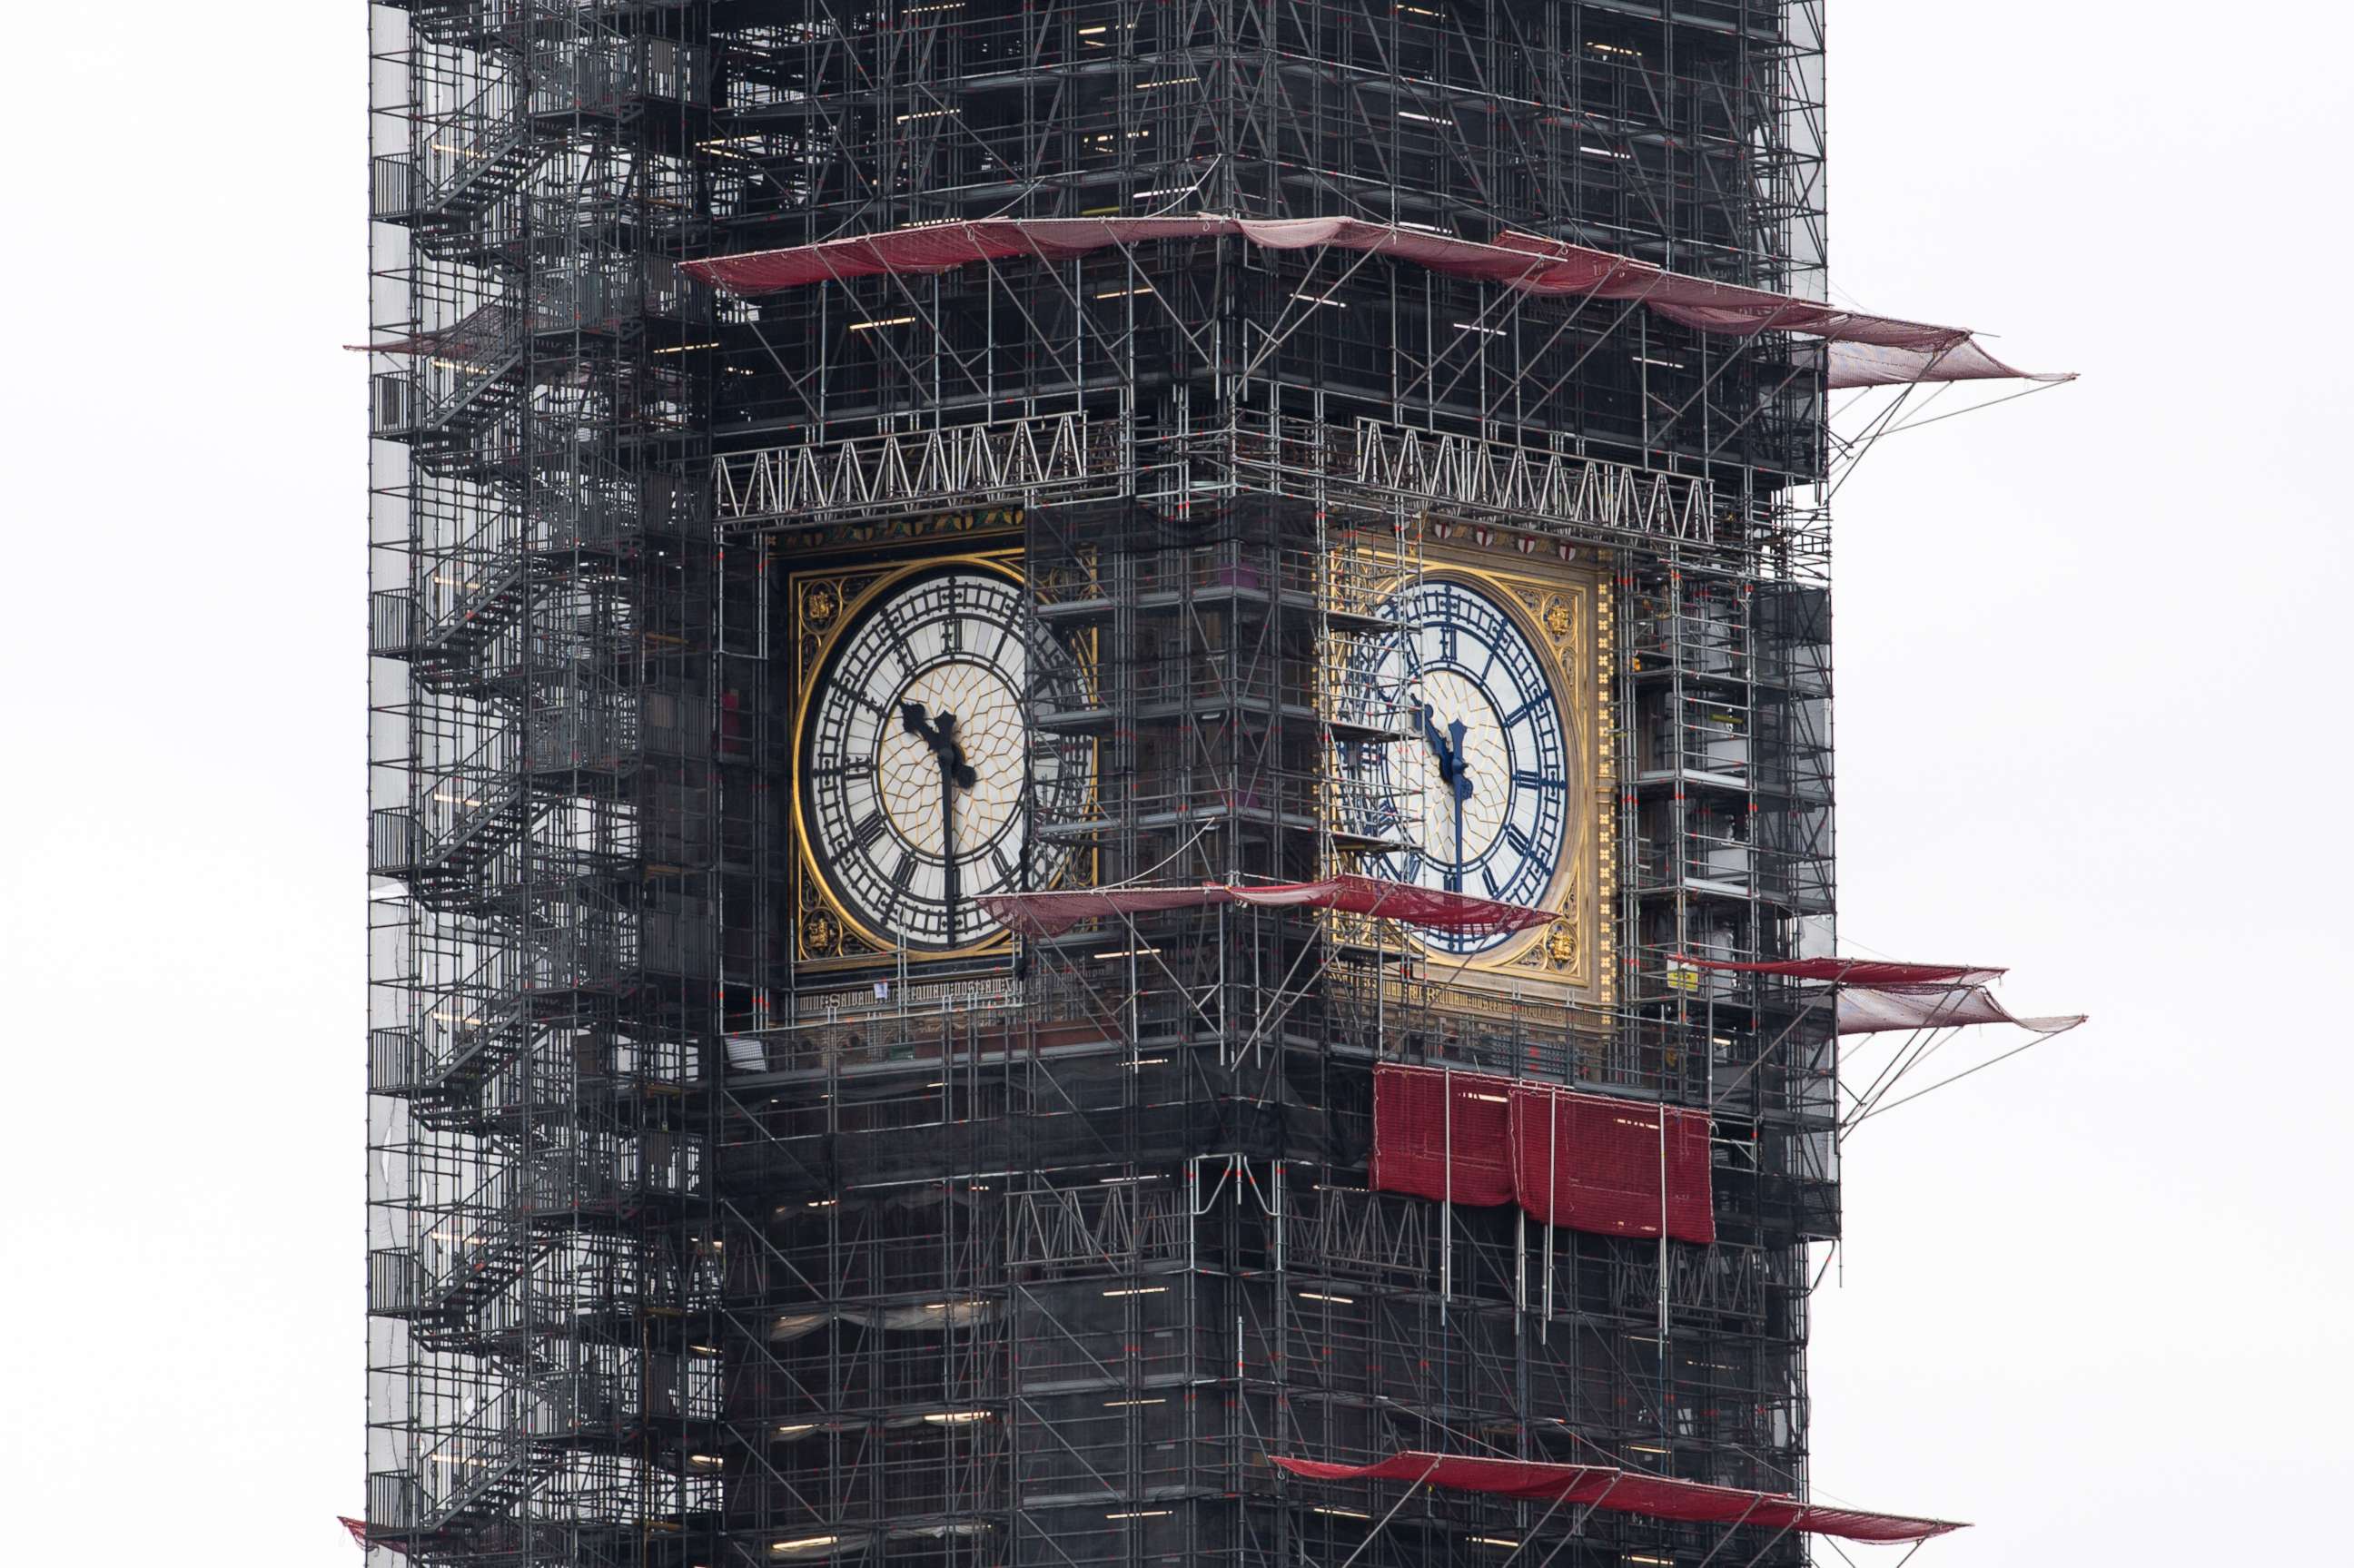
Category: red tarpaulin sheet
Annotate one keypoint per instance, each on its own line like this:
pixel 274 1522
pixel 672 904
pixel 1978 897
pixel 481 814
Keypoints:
pixel 1444 1136
pixel 1904 351
pixel 1051 913
pixel 1594 1163
pixel 1628 1491
pixel 1589 1162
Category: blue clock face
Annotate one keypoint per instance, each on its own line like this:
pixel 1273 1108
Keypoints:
pixel 1473 787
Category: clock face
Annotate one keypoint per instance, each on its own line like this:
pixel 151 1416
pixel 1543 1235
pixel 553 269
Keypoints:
pixel 918 764
pixel 1474 792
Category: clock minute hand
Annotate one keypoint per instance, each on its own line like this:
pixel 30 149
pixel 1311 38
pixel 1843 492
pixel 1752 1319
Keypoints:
pixel 1448 748
pixel 956 774
pixel 947 831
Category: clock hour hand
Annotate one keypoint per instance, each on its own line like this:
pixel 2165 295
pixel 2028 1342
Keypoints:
pixel 1438 745
pixel 912 720
pixel 940 740
pixel 1449 749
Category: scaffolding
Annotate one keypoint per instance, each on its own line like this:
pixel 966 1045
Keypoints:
pixel 546 626
pixel 687 1250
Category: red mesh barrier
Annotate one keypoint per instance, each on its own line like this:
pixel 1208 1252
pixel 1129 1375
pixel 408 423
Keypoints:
pixel 1587 1161
pixel 1629 1491
pixel 1593 1163
pixel 1414 1149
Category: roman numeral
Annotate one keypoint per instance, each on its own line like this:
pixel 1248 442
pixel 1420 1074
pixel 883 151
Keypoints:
pixel 1530 780
pixel 1512 719
pixel 869 828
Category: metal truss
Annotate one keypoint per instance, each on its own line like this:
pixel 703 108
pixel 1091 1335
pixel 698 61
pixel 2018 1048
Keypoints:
pixel 1024 463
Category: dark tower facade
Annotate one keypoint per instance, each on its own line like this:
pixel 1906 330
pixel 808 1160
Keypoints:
pixel 829 1101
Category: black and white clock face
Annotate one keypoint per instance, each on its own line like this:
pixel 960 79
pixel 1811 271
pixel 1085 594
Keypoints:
pixel 918 768
pixel 1475 793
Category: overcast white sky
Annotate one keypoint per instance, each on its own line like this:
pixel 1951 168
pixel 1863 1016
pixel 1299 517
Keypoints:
pixel 2092 654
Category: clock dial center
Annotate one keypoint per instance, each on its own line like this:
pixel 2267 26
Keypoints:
pixel 989 733
pixel 1477 786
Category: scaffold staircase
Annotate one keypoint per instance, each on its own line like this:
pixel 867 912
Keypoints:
pixel 488 154
pixel 500 1464
pixel 489 605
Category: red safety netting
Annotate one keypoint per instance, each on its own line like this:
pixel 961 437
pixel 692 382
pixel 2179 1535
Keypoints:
pixel 360 1535
pixel 1877 995
pixel 1628 1491
pixel 1868 365
pixel 1904 350
pixel 1594 1163
pixel 1428 906
pixel 1872 1010
pixel 1442 1135
pixel 1857 971
pixel 481 335
pixel 1589 1162
pixel 1051 913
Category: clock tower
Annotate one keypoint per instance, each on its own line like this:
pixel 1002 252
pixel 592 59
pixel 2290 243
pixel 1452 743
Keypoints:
pixel 1062 689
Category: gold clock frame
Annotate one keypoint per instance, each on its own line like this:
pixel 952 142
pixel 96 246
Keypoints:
pixel 823 603
pixel 1566 614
